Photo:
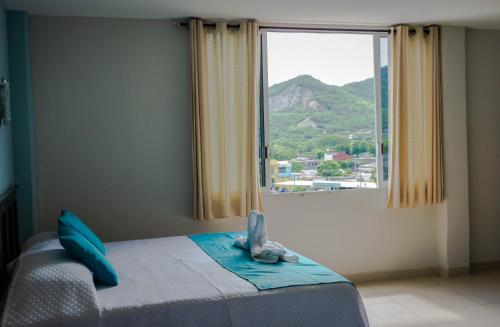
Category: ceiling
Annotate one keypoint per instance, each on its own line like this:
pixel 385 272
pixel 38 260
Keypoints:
pixel 471 13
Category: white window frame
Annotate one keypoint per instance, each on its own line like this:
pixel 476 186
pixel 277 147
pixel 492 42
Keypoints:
pixel 378 90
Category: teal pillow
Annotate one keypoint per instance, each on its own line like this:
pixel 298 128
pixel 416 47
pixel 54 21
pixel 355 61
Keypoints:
pixel 82 250
pixel 69 219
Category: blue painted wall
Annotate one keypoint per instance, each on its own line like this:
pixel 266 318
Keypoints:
pixel 22 120
pixel 6 161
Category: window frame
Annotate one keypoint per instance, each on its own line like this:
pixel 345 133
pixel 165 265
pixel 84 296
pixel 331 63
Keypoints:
pixel 264 138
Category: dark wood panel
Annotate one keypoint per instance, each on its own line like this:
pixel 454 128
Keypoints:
pixel 9 238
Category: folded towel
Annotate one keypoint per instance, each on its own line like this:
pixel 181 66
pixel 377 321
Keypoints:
pixel 261 249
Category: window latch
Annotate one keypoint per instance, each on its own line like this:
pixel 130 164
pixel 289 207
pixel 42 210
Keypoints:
pixel 382 148
pixel 266 152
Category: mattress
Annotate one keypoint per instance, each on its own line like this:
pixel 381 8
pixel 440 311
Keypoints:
pixel 171 282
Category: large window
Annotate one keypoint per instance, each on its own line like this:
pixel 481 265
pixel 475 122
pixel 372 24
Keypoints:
pixel 324 108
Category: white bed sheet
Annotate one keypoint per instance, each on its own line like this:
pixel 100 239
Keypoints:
pixel 171 282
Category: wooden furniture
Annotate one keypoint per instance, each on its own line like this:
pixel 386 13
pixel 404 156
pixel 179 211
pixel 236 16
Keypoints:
pixel 9 238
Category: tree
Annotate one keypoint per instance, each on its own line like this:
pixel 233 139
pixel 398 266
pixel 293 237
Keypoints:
pixel 299 189
pixel 346 164
pixel 346 147
pixel 358 147
pixel 363 146
pixel 330 168
pixel 297 167
pixel 280 152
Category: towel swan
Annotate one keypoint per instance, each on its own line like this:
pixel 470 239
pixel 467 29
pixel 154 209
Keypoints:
pixel 261 249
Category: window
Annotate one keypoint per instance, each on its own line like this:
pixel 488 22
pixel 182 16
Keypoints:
pixel 324 110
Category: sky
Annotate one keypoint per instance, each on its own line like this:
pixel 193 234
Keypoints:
pixel 333 58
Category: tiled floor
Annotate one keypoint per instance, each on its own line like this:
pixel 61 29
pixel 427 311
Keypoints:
pixel 472 300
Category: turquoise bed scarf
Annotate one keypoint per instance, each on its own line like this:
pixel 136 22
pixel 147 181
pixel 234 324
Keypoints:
pixel 220 246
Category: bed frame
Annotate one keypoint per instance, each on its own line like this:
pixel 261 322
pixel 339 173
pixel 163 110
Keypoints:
pixel 9 238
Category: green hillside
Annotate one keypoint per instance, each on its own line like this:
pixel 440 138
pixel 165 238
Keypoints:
pixel 307 117
pixel 364 89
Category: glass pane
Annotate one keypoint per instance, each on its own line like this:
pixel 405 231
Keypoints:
pixel 321 111
pixel 384 84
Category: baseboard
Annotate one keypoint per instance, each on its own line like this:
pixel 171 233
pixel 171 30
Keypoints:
pixel 424 272
pixel 485 265
pixel 392 275
pixel 454 272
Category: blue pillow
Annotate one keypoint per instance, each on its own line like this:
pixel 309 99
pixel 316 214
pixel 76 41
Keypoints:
pixel 69 219
pixel 82 250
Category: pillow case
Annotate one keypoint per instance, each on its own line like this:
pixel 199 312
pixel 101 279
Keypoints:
pixel 49 288
pixel 69 219
pixel 82 250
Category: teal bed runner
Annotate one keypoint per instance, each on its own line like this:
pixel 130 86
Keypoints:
pixel 220 246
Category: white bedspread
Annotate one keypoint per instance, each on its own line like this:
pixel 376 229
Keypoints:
pixel 172 282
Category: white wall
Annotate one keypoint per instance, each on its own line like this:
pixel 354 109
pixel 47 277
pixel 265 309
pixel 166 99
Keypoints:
pixel 454 212
pixel 112 123
pixel 111 100
pixel 483 110
pixel 353 232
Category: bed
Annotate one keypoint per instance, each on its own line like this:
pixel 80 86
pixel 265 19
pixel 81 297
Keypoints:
pixel 166 281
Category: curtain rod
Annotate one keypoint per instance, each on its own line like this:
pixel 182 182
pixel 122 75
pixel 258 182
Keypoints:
pixel 236 25
pixel 185 24
pixel 339 29
pixel 336 29
pixel 333 29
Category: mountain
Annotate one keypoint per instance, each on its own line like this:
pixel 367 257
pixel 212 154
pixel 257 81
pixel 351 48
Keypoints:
pixel 307 116
pixel 364 89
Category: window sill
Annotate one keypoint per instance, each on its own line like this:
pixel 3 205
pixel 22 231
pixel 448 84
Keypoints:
pixel 381 188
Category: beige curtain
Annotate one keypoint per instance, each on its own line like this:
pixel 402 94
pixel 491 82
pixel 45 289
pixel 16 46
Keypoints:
pixel 416 170
pixel 224 86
